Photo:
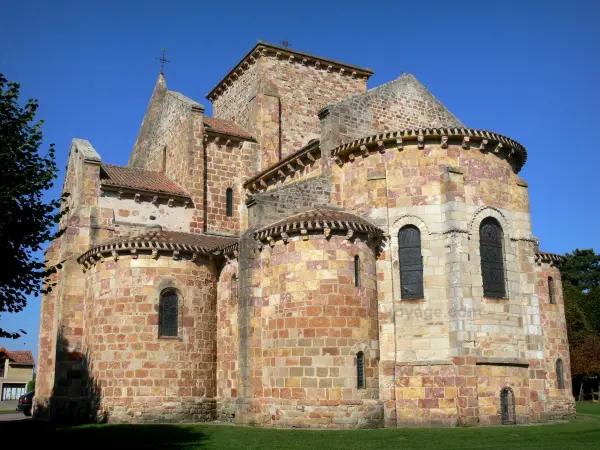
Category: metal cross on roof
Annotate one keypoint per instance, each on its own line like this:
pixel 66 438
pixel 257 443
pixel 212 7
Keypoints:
pixel 163 60
pixel 285 43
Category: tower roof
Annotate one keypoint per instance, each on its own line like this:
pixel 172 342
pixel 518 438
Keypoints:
pixel 262 48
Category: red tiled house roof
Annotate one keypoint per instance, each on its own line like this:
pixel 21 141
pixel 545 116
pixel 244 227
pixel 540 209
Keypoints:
pixel 139 179
pixel 20 357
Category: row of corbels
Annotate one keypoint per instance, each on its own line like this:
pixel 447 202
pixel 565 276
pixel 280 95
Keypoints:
pixel 171 201
pixel 283 170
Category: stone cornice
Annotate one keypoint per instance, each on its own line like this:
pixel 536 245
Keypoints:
pixel 468 138
pixel 301 224
pixel 292 56
pixel 550 258
pixel 148 243
pixel 288 165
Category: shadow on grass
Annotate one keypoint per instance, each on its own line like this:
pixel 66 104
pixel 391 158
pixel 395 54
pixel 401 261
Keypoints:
pixel 104 437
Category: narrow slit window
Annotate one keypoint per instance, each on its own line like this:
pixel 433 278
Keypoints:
pixel 560 378
pixel 229 201
pixel 551 290
pixel 163 163
pixel 357 271
pixel 411 263
pixel 234 288
pixel 492 258
pixel 507 405
pixel 360 370
pixel 169 314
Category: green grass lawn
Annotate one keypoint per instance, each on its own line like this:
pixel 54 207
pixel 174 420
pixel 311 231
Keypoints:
pixel 584 432
pixel 588 408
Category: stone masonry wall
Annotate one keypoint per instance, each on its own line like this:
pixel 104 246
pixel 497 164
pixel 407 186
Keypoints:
pixel 137 375
pixel 314 321
pixel 172 135
pixel 61 326
pixel 399 104
pixel 290 199
pixel 227 166
pixel 560 402
pixel 227 342
pixel 302 90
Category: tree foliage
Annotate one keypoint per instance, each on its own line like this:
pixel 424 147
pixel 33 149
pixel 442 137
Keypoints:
pixel 27 221
pixel 582 269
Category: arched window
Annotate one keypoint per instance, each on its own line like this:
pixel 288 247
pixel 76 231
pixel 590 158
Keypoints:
pixel 229 202
pixel 357 271
pixel 169 314
pixel 492 258
pixel 411 262
pixel 507 406
pixel 560 377
pixel 551 290
pixel 360 370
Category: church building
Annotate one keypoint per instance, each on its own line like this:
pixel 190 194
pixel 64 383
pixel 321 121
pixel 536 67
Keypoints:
pixel 315 254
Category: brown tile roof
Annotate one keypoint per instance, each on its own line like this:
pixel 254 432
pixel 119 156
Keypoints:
pixel 549 257
pixel 139 179
pixel 319 219
pixel 226 127
pixel 163 240
pixel 21 357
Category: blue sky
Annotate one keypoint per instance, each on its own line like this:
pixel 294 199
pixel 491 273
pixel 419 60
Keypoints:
pixel 526 69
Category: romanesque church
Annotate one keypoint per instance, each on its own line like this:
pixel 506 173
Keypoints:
pixel 316 254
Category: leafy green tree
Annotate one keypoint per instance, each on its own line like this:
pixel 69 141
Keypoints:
pixel 27 221
pixel 30 385
pixel 577 322
pixel 581 269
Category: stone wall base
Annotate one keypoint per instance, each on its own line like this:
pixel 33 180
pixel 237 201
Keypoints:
pixel 307 414
pixel 110 410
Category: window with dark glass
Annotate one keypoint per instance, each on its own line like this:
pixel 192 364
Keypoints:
pixel 492 258
pixel 560 378
pixel 360 370
pixel 507 405
pixel 229 201
pixel 551 290
pixel 411 263
pixel 169 314
pixel 357 271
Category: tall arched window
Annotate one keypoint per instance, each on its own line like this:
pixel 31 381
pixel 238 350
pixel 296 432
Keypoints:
pixel 411 262
pixel 492 258
pixel 357 271
pixel 551 290
pixel 507 406
pixel 360 370
pixel 229 202
pixel 560 377
pixel 169 314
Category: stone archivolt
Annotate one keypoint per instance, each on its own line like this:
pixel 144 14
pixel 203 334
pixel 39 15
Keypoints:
pixel 282 238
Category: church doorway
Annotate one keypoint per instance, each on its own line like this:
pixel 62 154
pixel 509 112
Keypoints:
pixel 507 404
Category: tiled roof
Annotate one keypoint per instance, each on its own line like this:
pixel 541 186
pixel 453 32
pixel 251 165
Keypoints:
pixel 226 127
pixel 162 240
pixel 144 180
pixel 319 219
pixel 549 257
pixel 21 357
